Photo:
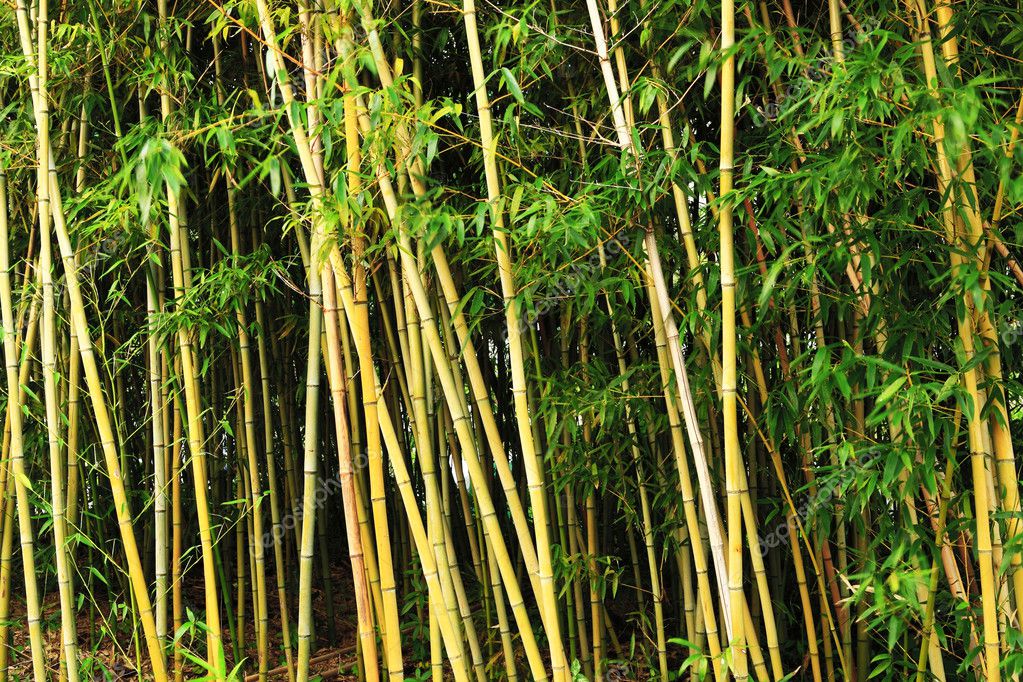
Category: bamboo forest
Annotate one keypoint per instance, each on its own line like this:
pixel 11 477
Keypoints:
pixel 568 340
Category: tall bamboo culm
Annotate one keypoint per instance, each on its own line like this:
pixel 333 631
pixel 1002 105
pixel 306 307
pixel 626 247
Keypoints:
pixel 476 286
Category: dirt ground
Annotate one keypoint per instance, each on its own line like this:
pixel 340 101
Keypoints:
pixel 114 657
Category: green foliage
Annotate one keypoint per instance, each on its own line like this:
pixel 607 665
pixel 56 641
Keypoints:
pixel 844 259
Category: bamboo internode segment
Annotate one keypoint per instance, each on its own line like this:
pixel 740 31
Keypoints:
pixel 595 341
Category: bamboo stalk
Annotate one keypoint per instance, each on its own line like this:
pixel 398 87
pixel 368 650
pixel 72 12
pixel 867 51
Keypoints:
pixel 513 316
pixel 732 452
pixel 48 340
pixel 17 465
pixel 367 637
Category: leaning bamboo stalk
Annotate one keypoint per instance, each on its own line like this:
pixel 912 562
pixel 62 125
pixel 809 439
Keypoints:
pixel 625 143
pixel 685 397
pixel 371 453
pixel 970 243
pixel 350 371
pixel 446 376
pixel 704 589
pixel 393 658
pixel 103 424
pixel 193 424
pixel 1000 438
pixel 502 247
pixel 469 354
pixel 367 636
pixel 29 309
pixel 463 496
pixel 386 429
pixel 74 360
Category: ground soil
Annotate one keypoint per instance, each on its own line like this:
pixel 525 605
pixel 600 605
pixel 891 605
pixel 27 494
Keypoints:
pixel 114 657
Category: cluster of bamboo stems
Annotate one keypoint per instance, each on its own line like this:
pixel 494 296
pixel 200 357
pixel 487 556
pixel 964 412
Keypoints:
pixel 284 323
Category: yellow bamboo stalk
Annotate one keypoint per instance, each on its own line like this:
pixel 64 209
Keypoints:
pixel 386 428
pixel 48 341
pixel 313 175
pixel 6 553
pixel 732 452
pixel 338 386
pixel 502 246
pixel 196 441
pixel 969 242
pixel 20 480
pixel 103 424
